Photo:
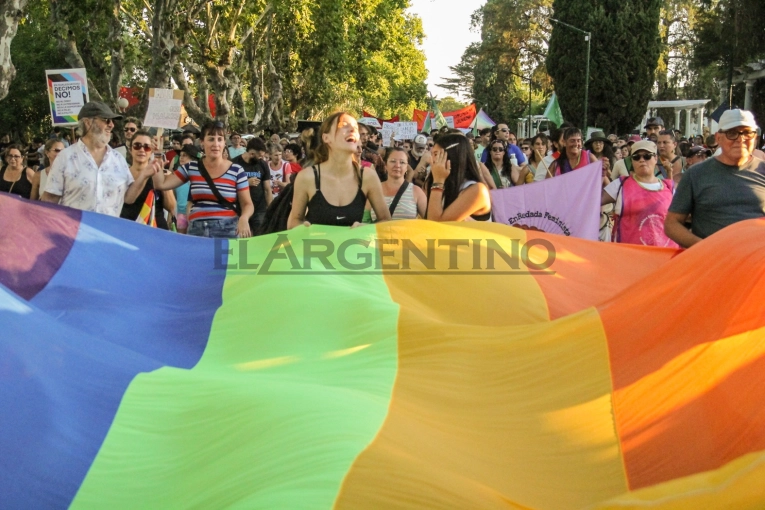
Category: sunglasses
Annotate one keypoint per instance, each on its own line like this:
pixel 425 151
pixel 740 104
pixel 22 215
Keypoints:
pixel 497 149
pixel 130 129
pixel 525 148
pixel 644 157
pixel 142 146
pixel 745 135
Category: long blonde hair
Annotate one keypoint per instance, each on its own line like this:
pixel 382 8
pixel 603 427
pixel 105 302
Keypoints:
pixel 321 154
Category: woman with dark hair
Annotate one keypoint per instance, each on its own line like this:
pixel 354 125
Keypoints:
pixel 220 193
pixel 291 154
pixel 538 162
pixel 15 177
pixel 601 147
pixel 342 180
pixel 498 171
pixel 455 189
pixel 572 157
pixel 50 151
pixel 405 200
pixel 157 201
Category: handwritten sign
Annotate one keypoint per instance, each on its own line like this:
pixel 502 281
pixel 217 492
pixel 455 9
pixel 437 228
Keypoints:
pixel 405 130
pixel 164 108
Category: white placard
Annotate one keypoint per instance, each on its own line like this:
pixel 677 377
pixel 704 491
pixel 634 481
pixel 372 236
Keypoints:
pixel 386 133
pixel 449 121
pixel 369 121
pixel 405 130
pixel 164 110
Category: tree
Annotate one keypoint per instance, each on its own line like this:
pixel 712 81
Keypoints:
pixel 618 94
pixel 463 79
pixel 514 36
pixel 449 104
pixel 10 14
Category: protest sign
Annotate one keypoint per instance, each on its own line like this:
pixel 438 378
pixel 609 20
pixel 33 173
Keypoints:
pixel 463 117
pixel 568 205
pixel 164 110
pixel 449 121
pixel 405 130
pixel 370 121
pixel 387 132
pixel 67 93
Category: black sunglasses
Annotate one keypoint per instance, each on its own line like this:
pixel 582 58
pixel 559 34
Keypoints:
pixel 145 146
pixel 644 157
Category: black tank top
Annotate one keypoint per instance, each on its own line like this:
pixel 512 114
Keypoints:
pixel 22 187
pixel 321 212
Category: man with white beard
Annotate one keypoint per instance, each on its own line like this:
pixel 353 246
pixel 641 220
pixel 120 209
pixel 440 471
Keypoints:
pixel 90 175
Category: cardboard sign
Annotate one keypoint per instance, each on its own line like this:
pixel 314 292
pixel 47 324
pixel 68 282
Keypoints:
pixel 67 93
pixel 165 107
pixel 405 130
pixel 370 121
pixel 449 121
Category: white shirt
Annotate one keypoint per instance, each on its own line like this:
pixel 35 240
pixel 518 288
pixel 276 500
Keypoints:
pixel 82 184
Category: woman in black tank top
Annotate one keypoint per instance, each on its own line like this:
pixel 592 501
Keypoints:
pixel 335 191
pixel 455 187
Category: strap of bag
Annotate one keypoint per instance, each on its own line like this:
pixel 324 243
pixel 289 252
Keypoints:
pixel 211 184
pixel 398 196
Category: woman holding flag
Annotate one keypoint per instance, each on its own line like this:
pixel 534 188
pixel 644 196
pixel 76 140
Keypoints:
pixel 150 205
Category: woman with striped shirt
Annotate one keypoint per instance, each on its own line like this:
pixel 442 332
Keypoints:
pixel 211 216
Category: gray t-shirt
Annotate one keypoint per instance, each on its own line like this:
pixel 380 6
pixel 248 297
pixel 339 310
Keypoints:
pixel 718 195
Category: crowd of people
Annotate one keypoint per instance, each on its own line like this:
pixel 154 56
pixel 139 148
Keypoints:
pixel 657 188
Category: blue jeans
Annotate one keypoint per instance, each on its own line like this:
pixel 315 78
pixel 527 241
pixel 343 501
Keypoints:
pixel 222 228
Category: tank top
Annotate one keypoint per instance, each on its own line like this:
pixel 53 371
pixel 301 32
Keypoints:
pixel 406 209
pixel 321 212
pixel 643 212
pixel 475 217
pixel 22 187
pixel 584 160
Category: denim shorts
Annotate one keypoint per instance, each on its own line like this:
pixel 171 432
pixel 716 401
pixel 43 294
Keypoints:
pixel 221 228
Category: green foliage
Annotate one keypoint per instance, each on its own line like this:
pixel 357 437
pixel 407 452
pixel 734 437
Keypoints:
pixel 618 95
pixel 449 104
pixel 25 112
pixel 514 37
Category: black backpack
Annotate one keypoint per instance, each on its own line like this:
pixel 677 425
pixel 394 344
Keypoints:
pixel 277 213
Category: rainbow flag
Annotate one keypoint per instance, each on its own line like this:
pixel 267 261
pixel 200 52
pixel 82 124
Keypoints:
pixel 386 366
pixel 147 214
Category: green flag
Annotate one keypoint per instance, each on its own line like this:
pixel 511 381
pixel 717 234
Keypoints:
pixel 552 112
pixel 427 127
pixel 440 120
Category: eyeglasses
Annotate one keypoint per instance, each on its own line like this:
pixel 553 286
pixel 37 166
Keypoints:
pixel 644 157
pixel 142 146
pixel 525 148
pixel 14 156
pixel 132 130
pixel 497 149
pixel 745 135
pixel 106 121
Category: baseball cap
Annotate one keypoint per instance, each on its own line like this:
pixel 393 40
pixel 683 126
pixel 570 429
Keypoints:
pixel 696 149
pixel 633 138
pixel 420 140
pixel 736 118
pixel 93 109
pixel 654 121
pixel 644 145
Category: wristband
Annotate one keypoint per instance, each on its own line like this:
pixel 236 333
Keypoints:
pixel 436 189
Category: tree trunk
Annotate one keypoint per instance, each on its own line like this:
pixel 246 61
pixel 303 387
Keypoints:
pixel 10 14
pixel 199 115
pixel 117 52
pixel 68 46
pixel 163 48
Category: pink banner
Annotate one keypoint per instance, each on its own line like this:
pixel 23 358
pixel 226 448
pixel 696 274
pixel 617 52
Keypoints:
pixel 567 205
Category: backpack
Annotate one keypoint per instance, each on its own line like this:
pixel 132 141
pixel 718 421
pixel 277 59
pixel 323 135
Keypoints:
pixel 277 213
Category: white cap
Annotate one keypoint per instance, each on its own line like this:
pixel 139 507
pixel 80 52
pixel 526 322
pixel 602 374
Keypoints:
pixel 736 118
pixel 420 140
pixel 644 145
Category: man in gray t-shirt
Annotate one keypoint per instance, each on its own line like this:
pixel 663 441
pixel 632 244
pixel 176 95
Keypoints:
pixel 721 190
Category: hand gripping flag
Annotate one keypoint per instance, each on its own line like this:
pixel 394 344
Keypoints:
pixel 422 365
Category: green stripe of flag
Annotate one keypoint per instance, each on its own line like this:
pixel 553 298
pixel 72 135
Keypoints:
pixel 294 383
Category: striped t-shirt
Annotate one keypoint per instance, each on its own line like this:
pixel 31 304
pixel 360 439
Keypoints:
pixel 206 206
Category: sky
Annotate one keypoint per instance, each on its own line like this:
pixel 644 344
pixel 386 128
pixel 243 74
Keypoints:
pixel 447 33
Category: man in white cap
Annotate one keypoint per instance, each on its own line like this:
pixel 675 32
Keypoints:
pixel 722 190
pixel 419 159
pixel 89 175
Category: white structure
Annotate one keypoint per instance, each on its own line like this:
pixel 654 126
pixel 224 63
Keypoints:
pixel 748 75
pixel 694 114
pixel 522 129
